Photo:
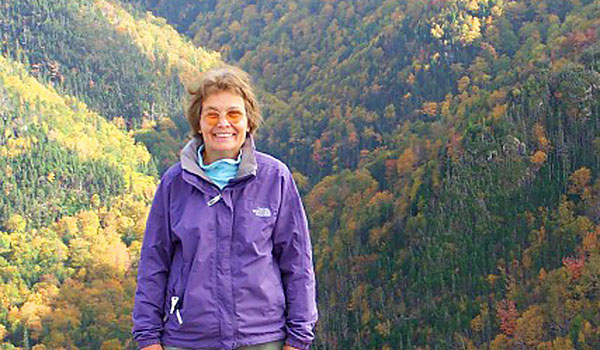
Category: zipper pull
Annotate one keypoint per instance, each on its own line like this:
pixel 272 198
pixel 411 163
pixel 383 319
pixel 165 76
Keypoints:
pixel 214 200
pixel 179 319
pixel 174 301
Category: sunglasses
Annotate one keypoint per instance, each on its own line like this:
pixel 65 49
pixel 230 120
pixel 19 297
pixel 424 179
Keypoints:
pixel 212 117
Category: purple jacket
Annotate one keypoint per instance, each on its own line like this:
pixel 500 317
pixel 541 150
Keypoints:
pixel 223 269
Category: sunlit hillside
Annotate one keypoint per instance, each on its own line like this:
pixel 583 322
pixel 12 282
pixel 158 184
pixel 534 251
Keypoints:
pixel 78 95
pixel 75 191
pixel 128 67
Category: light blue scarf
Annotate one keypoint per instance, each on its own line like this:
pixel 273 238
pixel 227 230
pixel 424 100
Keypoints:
pixel 222 170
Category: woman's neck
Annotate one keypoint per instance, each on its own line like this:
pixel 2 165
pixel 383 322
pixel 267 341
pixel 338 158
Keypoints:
pixel 208 159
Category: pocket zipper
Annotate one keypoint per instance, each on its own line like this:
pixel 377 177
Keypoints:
pixel 174 308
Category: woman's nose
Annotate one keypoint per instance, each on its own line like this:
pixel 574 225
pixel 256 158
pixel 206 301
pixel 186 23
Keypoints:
pixel 223 121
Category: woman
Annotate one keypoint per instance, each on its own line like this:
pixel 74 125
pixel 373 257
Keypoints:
pixel 226 261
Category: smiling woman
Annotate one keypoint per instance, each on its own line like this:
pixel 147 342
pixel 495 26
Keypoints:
pixel 226 261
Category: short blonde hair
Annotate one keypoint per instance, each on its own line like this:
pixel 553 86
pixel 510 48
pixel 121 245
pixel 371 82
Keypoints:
pixel 222 78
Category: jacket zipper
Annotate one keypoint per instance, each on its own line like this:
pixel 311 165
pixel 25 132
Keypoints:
pixel 174 308
pixel 214 200
pixel 175 301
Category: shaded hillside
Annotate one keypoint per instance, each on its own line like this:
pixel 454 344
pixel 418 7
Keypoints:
pixel 463 142
pixel 349 71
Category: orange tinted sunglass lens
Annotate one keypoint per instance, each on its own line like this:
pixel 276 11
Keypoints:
pixel 212 118
pixel 234 116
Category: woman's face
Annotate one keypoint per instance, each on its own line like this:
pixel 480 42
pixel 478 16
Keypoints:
pixel 223 124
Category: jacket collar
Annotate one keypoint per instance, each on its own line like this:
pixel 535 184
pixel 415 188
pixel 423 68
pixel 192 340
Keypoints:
pixel 189 158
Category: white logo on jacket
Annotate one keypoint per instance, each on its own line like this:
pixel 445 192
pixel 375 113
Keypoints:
pixel 262 212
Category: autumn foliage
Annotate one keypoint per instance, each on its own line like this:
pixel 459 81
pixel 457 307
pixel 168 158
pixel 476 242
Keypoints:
pixel 447 153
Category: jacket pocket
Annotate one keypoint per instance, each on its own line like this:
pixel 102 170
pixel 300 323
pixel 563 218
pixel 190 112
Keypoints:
pixel 195 312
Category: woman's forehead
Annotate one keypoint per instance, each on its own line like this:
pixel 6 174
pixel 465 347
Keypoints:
pixel 223 99
pixel 209 107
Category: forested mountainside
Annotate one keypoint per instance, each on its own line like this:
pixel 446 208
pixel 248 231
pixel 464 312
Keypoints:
pixel 449 151
pixel 461 143
pixel 75 191
pixel 367 63
pixel 128 68
pixel 81 84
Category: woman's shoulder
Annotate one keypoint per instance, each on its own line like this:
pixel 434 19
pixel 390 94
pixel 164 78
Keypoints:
pixel 270 163
pixel 171 173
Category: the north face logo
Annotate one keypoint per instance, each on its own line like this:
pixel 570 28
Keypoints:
pixel 262 212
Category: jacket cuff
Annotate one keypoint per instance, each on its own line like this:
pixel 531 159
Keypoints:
pixel 297 344
pixel 147 342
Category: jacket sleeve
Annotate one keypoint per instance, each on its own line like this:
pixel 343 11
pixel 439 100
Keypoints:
pixel 153 271
pixel 293 252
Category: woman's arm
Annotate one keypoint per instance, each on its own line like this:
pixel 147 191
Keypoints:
pixel 293 252
pixel 153 272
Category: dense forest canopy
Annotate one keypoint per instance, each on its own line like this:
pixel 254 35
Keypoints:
pixel 127 68
pixel 448 153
